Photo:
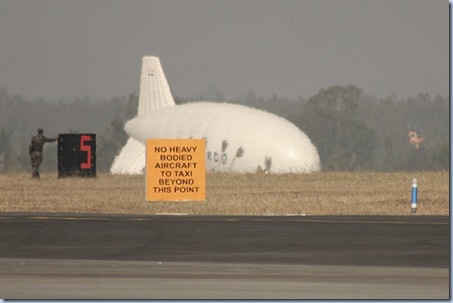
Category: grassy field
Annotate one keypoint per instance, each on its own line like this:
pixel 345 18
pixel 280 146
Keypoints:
pixel 230 194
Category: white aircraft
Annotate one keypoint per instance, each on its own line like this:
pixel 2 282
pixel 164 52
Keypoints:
pixel 239 139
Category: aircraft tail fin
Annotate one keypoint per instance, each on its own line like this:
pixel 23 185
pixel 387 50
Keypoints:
pixel 155 92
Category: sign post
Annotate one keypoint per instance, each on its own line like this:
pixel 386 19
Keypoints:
pixel 76 155
pixel 175 170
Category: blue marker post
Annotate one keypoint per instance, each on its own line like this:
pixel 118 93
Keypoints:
pixel 414 197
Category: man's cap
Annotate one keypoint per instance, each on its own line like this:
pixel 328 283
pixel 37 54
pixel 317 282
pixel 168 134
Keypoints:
pixel 40 130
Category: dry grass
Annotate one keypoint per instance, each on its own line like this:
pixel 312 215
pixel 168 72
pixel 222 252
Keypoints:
pixel 228 194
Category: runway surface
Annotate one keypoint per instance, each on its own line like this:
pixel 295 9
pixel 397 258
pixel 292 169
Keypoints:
pixel 190 257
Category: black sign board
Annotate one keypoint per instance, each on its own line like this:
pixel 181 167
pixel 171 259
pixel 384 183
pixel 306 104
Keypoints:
pixel 77 155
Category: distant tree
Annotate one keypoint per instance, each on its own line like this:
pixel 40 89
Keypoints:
pixel 418 159
pixel 109 144
pixel 441 157
pixel 211 93
pixel 342 99
pixel 113 137
pixel 106 150
pixel 344 141
pixel 132 106
pixel 389 155
pixel 392 119
pixel 352 131
pixel 22 160
pixel 251 97
pixel 5 150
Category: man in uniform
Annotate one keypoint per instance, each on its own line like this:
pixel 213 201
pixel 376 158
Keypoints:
pixel 35 151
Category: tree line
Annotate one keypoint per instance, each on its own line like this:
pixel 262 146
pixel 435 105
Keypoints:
pixel 352 131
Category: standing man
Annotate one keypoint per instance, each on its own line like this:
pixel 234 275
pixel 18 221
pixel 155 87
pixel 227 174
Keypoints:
pixel 35 151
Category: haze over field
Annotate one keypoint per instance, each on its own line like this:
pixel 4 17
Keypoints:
pixel 53 48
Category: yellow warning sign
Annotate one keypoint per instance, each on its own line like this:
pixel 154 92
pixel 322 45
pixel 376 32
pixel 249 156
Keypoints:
pixel 175 170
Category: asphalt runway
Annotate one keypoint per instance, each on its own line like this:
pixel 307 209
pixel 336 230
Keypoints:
pixel 68 256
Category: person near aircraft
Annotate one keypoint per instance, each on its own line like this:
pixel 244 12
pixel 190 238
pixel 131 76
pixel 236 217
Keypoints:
pixel 35 150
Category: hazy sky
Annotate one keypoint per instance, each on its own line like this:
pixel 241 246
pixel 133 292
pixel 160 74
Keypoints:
pixel 54 48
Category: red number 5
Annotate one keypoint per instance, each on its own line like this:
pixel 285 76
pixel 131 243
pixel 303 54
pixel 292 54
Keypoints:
pixel 86 148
